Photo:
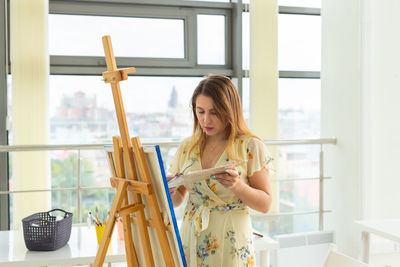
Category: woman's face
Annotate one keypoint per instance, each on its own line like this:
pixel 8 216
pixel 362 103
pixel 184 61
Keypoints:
pixel 207 116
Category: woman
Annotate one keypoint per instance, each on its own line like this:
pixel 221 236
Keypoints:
pixel 216 228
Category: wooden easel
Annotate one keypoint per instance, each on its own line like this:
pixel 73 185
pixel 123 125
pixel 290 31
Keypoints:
pixel 128 182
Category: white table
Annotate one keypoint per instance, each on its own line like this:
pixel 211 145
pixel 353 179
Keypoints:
pixel 81 249
pixel 389 229
pixel 263 246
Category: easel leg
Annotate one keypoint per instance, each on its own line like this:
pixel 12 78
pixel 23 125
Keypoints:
pixel 126 220
pixel 105 241
pixel 129 247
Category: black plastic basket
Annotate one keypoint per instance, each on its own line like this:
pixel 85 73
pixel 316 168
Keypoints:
pixel 44 232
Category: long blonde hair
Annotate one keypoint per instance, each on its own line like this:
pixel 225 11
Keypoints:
pixel 228 108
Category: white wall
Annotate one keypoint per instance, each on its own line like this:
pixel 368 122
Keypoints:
pixel 341 117
pixel 382 84
pixel 360 92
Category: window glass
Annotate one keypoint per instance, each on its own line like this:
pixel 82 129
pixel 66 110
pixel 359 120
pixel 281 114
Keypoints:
pixel 100 199
pixel 82 108
pixel 74 35
pixel 302 195
pixel 246 40
pixel 299 42
pixel 11 181
pixel 298 161
pixel 287 224
pixel 300 3
pixel 64 168
pixel 211 39
pixel 9 108
pixel 95 169
pixel 66 200
pixel 299 108
pixel 246 98
pixel 225 1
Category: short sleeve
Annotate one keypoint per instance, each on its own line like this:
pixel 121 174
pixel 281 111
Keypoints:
pixel 174 163
pixel 258 157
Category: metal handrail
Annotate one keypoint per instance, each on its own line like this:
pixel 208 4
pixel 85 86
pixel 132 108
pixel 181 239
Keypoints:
pixel 109 187
pixel 174 143
pixel 260 217
pixel 163 143
pixel 279 180
pixel 54 189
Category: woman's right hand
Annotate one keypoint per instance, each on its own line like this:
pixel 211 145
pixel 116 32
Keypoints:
pixel 177 193
pixel 172 190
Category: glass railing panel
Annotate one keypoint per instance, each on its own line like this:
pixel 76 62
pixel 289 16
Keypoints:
pixel 94 168
pixel 287 224
pixel 64 168
pixel 298 161
pixel 66 200
pixel 97 198
pixel 298 196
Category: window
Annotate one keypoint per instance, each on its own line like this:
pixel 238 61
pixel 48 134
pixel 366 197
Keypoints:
pixel 299 108
pixel 299 42
pixel 211 39
pixel 132 37
pixel 300 3
pixel 168 43
pixel 82 108
pixel 299 94
pixel 160 42
pixel 299 100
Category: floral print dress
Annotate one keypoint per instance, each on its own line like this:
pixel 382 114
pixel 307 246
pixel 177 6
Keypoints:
pixel 216 228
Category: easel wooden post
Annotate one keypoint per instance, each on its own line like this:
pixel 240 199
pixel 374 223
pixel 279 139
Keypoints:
pixel 123 149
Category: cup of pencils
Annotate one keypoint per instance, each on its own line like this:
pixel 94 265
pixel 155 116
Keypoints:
pixel 100 231
pixel 99 225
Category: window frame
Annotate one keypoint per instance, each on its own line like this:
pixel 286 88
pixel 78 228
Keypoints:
pixel 4 174
pixel 151 66
pixel 86 65
pixel 179 9
pixel 308 11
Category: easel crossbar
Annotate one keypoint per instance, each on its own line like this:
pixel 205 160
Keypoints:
pixel 117 75
pixel 150 223
pixel 133 185
pixel 127 210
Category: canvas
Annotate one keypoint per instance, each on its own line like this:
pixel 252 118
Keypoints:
pixel 160 185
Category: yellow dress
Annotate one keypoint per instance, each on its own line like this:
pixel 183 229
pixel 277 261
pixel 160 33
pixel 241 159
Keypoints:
pixel 216 228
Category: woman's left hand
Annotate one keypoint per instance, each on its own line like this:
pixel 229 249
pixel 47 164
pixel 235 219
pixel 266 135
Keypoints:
pixel 229 179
